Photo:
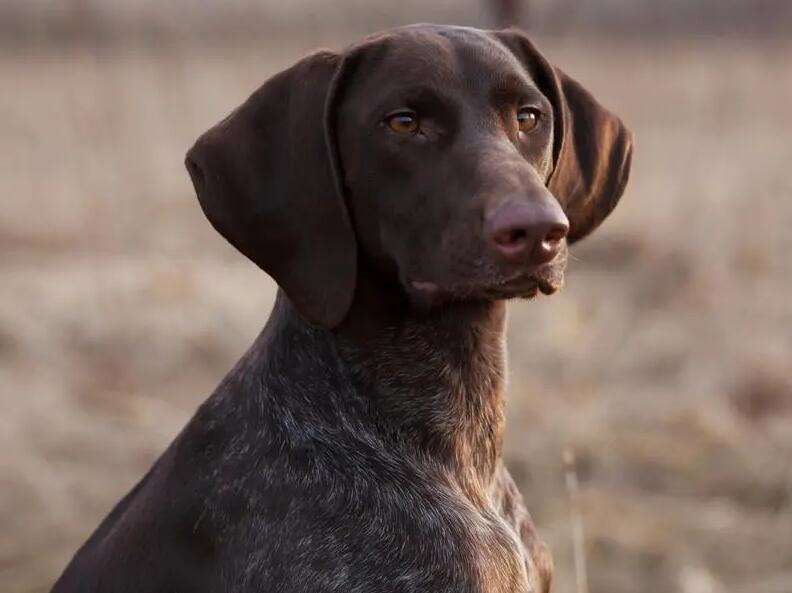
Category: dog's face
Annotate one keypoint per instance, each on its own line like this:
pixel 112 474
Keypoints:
pixel 446 146
pixel 449 162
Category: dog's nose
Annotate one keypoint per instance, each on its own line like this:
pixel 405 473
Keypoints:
pixel 529 231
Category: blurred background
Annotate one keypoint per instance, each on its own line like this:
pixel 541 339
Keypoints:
pixel 664 365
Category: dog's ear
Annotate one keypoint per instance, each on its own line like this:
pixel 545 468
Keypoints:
pixel 592 149
pixel 266 178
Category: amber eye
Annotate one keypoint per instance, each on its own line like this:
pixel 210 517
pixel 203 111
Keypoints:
pixel 403 122
pixel 528 119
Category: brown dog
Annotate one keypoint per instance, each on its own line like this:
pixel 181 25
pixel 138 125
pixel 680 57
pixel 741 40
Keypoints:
pixel 399 193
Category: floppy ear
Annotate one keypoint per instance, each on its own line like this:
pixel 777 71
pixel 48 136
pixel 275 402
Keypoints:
pixel 592 149
pixel 266 179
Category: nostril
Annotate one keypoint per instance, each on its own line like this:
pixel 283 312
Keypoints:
pixel 511 237
pixel 549 245
pixel 555 235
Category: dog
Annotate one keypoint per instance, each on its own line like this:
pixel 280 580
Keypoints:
pixel 399 192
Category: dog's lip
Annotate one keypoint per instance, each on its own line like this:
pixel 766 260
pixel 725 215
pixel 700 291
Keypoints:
pixel 532 281
pixel 521 284
pixel 524 285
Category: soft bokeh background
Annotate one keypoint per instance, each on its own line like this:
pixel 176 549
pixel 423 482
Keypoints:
pixel 664 365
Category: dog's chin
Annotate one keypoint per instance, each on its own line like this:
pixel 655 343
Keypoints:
pixel 547 280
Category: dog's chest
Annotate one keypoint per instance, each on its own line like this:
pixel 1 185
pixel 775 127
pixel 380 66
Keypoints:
pixel 483 552
pixel 408 542
pixel 500 562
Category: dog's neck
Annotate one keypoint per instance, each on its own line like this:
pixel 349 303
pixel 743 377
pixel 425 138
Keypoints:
pixel 436 377
pixel 432 384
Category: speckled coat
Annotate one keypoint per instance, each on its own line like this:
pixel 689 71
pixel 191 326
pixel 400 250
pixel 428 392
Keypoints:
pixel 356 447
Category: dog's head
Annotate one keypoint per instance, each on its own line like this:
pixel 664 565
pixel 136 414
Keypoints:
pixel 451 162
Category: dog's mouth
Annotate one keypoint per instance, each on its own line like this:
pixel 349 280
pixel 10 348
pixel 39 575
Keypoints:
pixel 526 284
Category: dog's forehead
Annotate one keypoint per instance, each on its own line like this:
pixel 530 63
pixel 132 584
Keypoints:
pixel 444 56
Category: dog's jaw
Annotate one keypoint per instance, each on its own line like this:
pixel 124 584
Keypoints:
pixel 546 279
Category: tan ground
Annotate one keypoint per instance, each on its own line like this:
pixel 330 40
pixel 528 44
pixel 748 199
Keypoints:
pixel 664 364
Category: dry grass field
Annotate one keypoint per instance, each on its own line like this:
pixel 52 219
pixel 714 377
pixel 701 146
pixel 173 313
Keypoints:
pixel 664 364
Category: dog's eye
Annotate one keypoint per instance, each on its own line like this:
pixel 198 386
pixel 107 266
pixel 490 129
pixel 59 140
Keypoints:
pixel 403 122
pixel 528 119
